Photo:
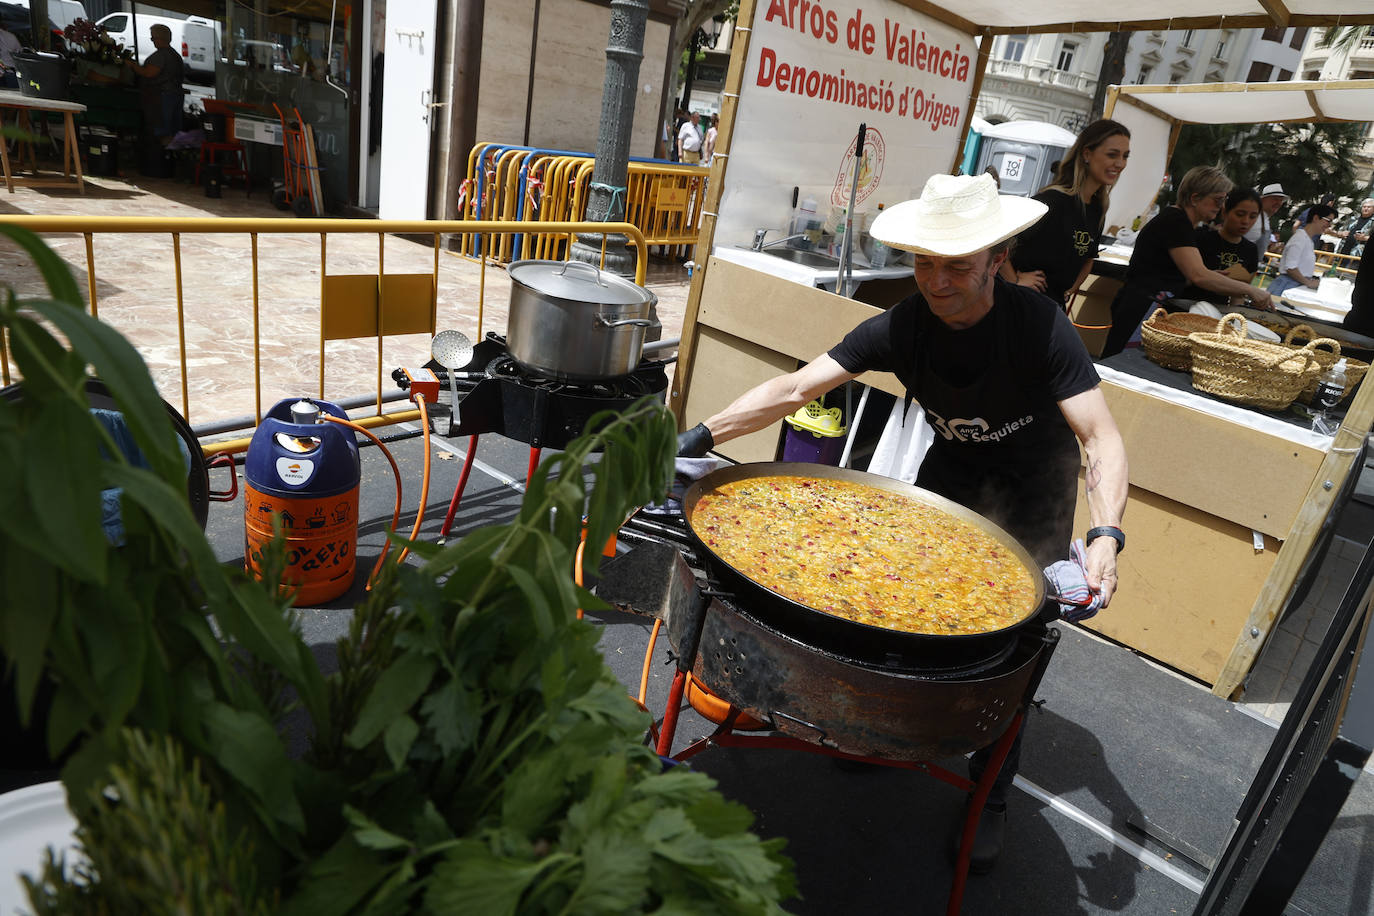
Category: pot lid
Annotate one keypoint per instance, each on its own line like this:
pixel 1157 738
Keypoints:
pixel 578 281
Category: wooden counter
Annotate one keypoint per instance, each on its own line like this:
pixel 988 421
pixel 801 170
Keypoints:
pixel 22 105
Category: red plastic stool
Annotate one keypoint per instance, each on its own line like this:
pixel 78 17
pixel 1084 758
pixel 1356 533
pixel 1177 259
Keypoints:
pixel 209 152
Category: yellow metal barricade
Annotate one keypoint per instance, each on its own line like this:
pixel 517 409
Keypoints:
pixel 663 199
pixel 349 306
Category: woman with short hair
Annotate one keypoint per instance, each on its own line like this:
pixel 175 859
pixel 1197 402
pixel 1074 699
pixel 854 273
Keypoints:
pixel 1166 259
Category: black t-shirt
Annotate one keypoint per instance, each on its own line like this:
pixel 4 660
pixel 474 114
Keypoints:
pixel 170 69
pixel 1219 254
pixel 1064 238
pixel 1002 446
pixel 1151 267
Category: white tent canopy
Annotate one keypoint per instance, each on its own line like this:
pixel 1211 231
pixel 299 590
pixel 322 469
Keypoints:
pixel 1040 132
pixel 1153 112
pixel 998 17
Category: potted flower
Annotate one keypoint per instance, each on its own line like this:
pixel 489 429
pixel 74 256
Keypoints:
pixel 96 57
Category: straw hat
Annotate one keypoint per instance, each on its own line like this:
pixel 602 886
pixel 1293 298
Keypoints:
pixel 1273 190
pixel 956 215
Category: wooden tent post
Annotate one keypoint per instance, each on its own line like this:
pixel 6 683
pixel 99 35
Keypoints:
pixel 720 162
pixel 980 68
pixel 1112 93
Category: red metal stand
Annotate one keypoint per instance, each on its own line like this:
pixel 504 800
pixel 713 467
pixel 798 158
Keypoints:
pixel 726 736
pixel 462 485
pixel 535 452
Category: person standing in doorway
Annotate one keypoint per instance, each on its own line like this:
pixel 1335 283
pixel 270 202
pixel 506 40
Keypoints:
pixel 689 140
pixel 162 93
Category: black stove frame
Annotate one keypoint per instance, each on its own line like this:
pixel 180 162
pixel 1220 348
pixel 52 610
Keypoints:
pixel 540 411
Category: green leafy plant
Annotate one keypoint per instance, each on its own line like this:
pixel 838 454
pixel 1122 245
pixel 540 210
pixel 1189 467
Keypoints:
pixel 472 754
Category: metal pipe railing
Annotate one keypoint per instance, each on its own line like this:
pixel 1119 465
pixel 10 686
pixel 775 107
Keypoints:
pixel 177 228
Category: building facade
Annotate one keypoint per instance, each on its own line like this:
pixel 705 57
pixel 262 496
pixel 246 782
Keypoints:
pixel 1339 54
pixel 1052 77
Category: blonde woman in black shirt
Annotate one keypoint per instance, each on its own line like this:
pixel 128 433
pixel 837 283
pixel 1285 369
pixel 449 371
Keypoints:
pixel 1055 255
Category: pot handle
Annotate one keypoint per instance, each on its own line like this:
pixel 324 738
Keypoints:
pixel 603 322
pixel 583 265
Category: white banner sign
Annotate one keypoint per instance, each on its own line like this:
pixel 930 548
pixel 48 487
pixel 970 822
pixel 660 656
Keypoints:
pixel 815 72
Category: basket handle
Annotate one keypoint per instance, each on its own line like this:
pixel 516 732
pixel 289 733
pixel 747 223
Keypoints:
pixel 1158 312
pixel 1313 344
pixel 1273 360
pixel 1224 326
pixel 1305 330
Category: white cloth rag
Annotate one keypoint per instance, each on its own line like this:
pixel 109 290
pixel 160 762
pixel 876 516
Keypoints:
pixel 902 446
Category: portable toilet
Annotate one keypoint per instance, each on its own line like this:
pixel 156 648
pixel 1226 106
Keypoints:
pixel 972 143
pixel 1023 154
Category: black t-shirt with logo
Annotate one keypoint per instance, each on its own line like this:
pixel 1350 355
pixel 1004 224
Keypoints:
pixel 1152 268
pixel 1219 254
pixel 1059 243
pixel 1002 446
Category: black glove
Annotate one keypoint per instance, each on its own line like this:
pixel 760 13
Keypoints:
pixel 695 442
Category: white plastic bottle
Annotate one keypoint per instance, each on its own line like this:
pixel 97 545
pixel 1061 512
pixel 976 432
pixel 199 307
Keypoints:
pixel 1330 390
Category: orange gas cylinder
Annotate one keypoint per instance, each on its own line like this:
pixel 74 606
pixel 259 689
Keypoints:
pixel 306 471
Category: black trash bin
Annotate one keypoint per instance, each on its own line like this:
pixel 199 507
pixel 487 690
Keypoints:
pixel 214 179
pixel 155 161
pixel 102 154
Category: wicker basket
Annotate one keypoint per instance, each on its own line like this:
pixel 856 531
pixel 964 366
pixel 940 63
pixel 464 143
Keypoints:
pixel 1252 372
pixel 1164 337
pixel 1354 369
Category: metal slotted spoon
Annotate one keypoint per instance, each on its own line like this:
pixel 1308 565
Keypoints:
pixel 452 349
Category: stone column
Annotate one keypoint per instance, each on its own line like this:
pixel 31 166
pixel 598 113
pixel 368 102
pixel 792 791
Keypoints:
pixel 606 198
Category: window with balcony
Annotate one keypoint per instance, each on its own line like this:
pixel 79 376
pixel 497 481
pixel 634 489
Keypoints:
pixel 1144 76
pixel 1175 78
pixel 1299 36
pixel 1188 36
pixel 1285 76
pixel 1272 34
pixel 1220 53
pixel 1260 72
pixel 1014 48
pixel 1066 54
pixel 1328 36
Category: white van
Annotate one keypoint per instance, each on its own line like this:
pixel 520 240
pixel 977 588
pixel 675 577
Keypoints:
pixel 193 38
pixel 61 13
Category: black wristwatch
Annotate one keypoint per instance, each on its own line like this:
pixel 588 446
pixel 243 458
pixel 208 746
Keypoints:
pixel 1109 531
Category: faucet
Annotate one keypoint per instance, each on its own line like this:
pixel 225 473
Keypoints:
pixel 759 236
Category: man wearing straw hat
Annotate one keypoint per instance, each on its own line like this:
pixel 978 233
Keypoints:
pixel 1005 382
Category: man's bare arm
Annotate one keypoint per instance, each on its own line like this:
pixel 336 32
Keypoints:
pixel 1106 480
pixel 777 398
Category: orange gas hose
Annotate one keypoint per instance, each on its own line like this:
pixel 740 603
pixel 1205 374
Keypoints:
pixel 424 477
pixel 648 654
pixel 395 471
pixel 577 565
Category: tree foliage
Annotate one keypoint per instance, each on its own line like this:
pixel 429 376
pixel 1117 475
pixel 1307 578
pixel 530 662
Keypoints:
pixel 1309 160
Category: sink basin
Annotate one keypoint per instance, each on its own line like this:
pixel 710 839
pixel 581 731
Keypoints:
pixel 805 258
